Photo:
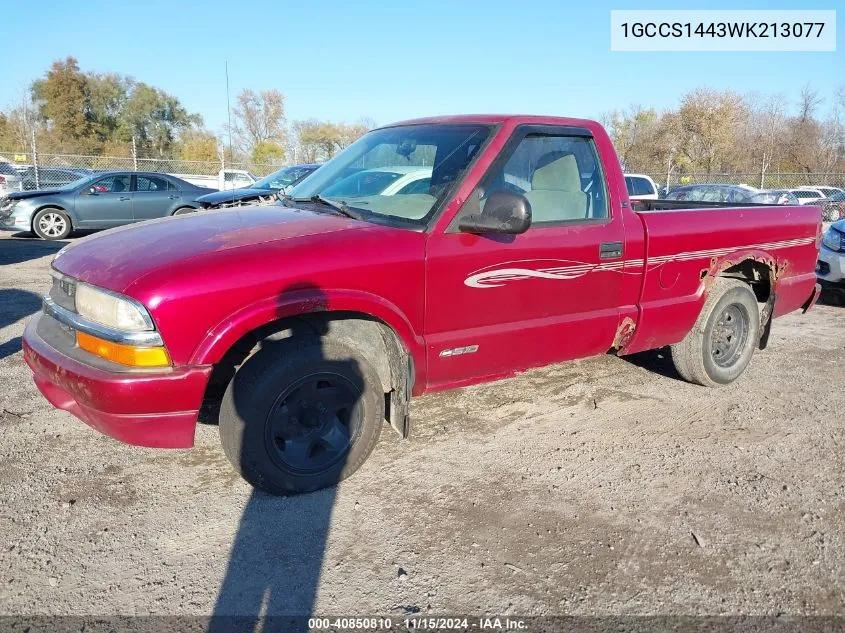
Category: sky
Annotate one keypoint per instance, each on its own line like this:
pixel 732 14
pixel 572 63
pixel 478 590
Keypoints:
pixel 348 59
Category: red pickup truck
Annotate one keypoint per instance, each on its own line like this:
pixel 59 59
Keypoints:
pixel 429 254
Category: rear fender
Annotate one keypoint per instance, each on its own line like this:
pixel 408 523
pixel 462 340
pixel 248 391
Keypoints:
pixel 667 320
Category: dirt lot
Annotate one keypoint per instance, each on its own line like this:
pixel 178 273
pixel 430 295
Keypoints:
pixel 596 487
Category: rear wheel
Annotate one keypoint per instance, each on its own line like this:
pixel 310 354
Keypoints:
pixel 722 341
pixel 51 224
pixel 301 415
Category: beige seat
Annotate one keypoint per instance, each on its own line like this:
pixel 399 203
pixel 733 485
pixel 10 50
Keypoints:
pixel 556 189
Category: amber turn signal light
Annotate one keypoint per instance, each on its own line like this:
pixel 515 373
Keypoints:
pixel 123 354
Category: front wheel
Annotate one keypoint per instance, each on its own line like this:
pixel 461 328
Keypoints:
pixel 184 211
pixel 51 224
pixel 301 415
pixel 722 341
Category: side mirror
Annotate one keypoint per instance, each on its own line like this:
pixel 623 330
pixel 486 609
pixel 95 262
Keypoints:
pixel 504 212
pixel 92 191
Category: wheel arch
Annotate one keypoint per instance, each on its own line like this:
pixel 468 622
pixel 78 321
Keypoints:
pixel 388 344
pixel 51 205
pixel 760 270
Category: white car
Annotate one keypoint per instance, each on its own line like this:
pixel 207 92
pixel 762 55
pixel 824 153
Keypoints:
pixel 225 180
pixel 10 179
pixel 640 187
pixel 382 181
pixel 807 195
pixel 830 268
pixel 824 190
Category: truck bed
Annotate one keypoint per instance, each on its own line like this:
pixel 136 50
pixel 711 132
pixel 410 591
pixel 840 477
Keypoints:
pixel 689 243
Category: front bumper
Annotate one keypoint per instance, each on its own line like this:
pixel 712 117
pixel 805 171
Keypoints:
pixel 831 266
pixel 16 220
pixel 157 409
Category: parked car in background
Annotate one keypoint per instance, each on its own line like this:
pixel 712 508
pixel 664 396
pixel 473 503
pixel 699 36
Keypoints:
pixel 384 181
pixel 224 180
pixel 833 207
pixel 830 267
pixel 641 187
pixel 772 196
pixel 665 190
pixel 51 177
pixel 711 193
pixel 10 180
pixel 825 190
pixel 808 196
pixel 266 188
pixel 99 201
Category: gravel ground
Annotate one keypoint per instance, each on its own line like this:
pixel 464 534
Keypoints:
pixel 603 486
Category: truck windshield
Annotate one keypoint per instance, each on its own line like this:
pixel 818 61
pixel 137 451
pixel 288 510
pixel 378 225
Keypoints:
pixel 372 175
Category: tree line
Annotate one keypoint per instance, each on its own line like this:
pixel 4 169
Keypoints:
pixel 72 111
pixel 724 132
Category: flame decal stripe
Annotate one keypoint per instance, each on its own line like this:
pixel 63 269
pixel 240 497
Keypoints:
pixel 490 277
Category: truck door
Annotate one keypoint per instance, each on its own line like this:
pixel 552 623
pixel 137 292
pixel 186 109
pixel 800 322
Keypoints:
pixel 500 303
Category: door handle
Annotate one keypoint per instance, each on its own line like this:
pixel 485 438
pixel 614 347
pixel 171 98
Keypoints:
pixel 174 197
pixel 610 250
pixel 124 198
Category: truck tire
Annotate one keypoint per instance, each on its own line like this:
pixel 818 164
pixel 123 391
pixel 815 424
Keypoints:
pixel 300 415
pixel 51 223
pixel 720 345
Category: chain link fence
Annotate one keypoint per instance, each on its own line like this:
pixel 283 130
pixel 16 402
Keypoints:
pixel 773 180
pixel 48 165
pixel 23 160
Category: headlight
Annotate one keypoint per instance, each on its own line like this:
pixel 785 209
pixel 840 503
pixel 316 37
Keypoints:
pixel 111 310
pixel 834 240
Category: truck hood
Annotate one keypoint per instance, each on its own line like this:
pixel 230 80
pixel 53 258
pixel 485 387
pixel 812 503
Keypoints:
pixel 116 258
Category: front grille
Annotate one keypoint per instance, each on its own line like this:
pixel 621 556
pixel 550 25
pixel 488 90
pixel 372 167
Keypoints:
pixel 822 268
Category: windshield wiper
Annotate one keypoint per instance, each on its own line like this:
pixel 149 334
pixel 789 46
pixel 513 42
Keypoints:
pixel 339 206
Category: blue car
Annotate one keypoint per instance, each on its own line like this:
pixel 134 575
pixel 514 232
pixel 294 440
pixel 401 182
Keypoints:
pixel 98 201
pixel 277 182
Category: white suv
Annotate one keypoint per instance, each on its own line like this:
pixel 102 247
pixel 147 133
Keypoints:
pixel 640 187
pixel 825 190
pixel 830 269
pixel 806 195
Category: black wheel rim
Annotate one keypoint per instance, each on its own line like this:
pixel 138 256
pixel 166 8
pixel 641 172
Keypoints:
pixel 729 335
pixel 313 424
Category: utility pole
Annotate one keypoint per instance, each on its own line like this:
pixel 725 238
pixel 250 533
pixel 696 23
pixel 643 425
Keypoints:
pixel 35 159
pixel 134 155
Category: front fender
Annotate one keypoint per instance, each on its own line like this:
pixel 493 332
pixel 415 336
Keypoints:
pixel 55 203
pixel 304 301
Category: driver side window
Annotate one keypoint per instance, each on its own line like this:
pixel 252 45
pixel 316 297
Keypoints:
pixel 560 176
pixel 112 184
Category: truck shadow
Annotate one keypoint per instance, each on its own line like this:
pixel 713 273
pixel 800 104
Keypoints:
pixel 658 361
pixel 834 297
pixel 15 304
pixel 276 561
